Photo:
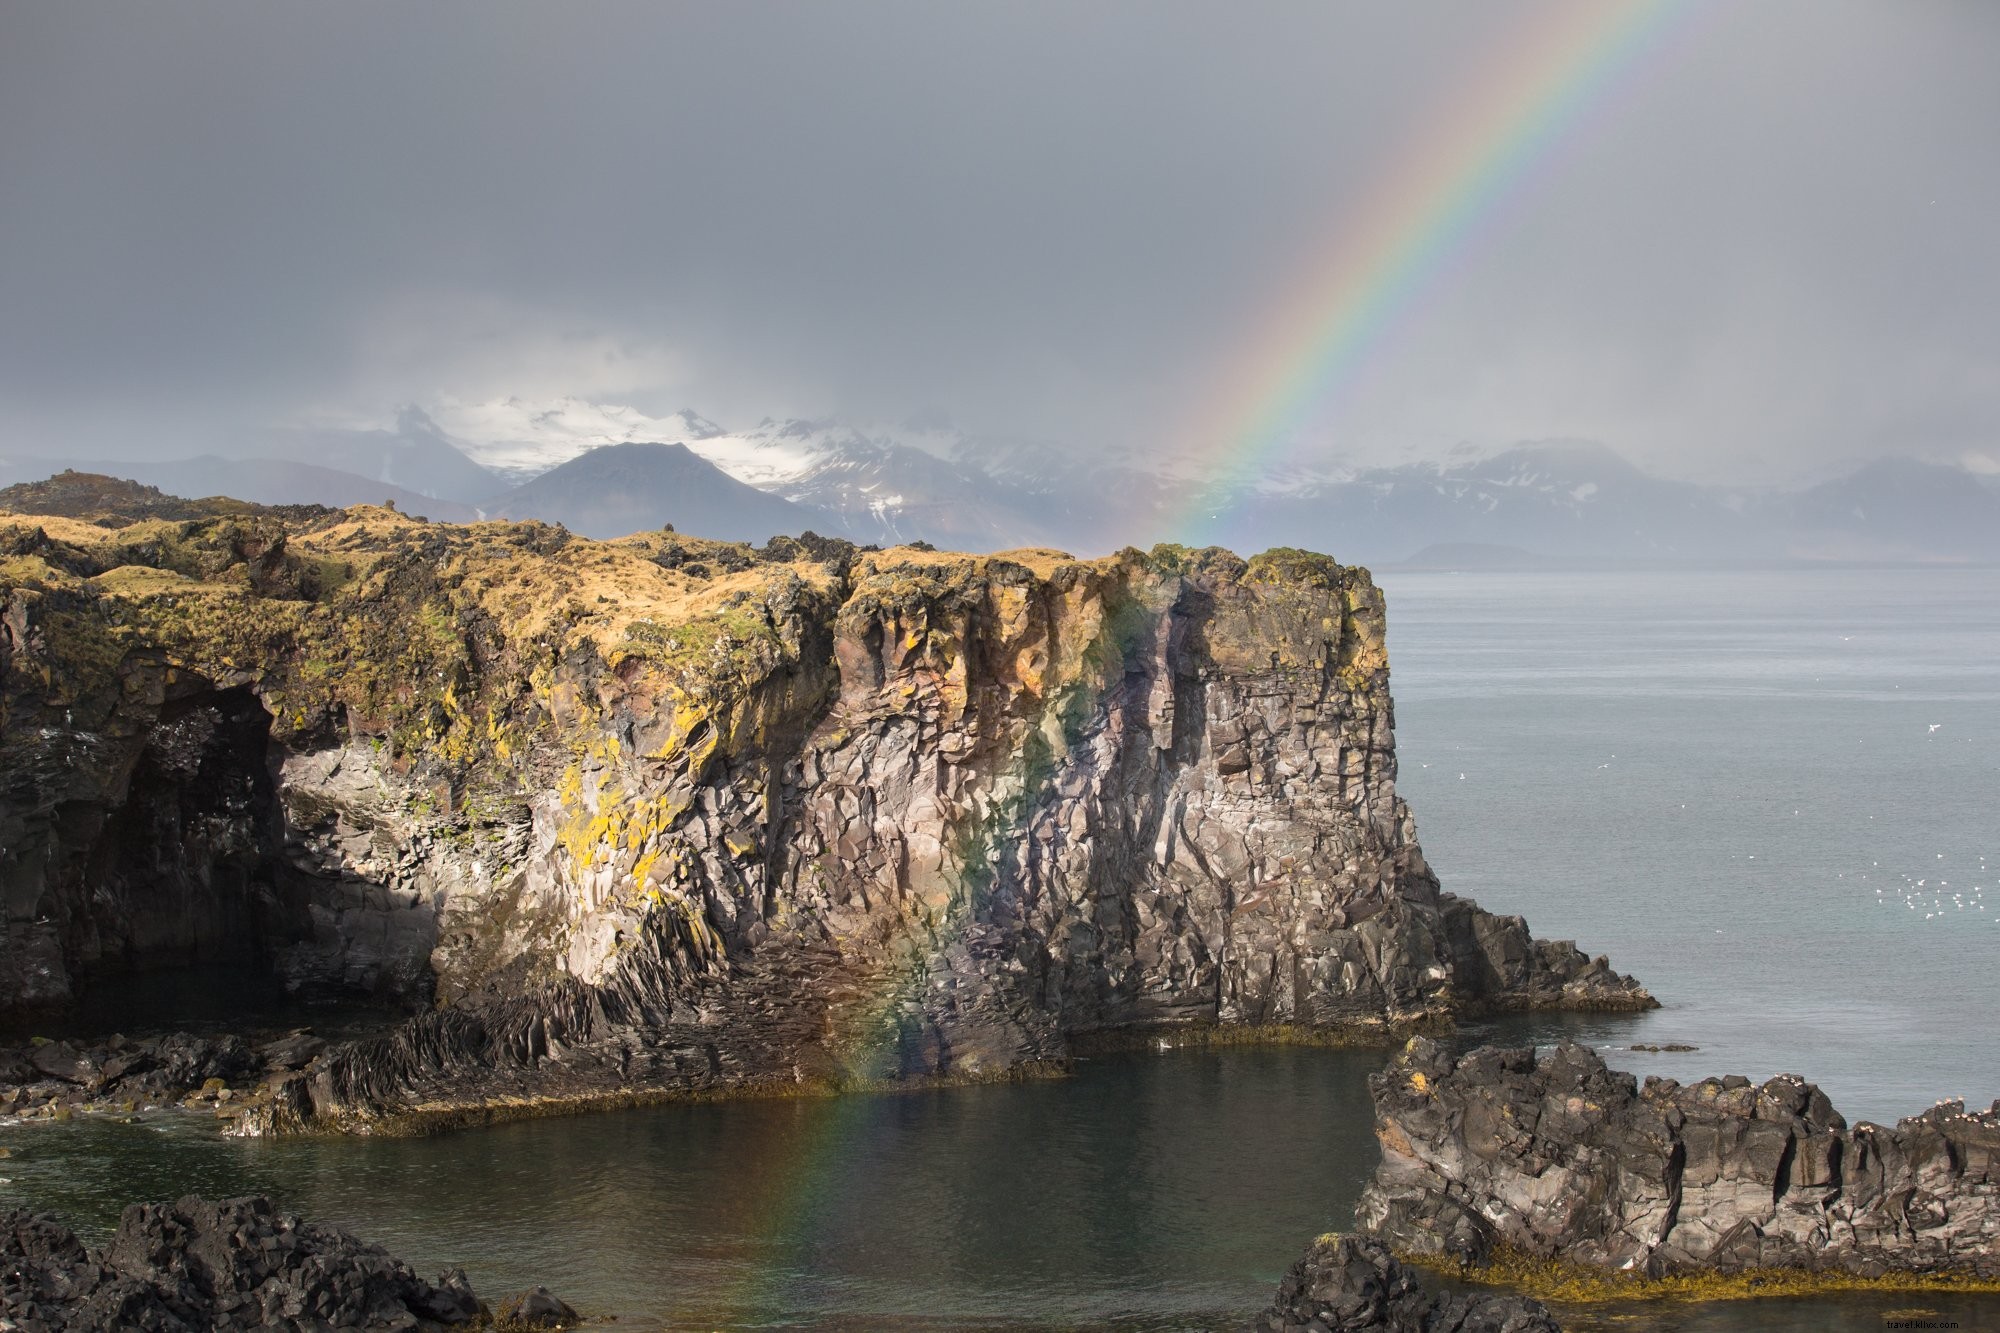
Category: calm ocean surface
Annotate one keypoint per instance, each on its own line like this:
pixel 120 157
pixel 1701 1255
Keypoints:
pixel 1772 796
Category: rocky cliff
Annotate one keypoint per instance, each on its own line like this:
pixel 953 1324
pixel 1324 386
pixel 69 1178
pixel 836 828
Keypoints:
pixel 660 815
pixel 1556 1157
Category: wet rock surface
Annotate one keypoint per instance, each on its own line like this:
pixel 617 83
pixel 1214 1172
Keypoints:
pixel 662 816
pixel 52 1080
pixel 537 1308
pixel 1353 1284
pixel 197 1266
pixel 1555 1156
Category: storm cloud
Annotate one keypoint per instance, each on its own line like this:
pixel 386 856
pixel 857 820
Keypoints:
pixel 1768 251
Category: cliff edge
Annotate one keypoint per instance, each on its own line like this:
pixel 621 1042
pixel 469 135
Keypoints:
pixel 662 815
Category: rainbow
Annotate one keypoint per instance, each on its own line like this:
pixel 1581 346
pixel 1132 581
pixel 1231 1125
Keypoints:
pixel 1385 255
pixel 1483 152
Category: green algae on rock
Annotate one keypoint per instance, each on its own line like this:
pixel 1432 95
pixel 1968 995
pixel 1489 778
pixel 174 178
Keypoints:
pixel 662 816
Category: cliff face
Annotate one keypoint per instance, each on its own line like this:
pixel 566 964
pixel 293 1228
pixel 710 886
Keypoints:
pixel 662 814
pixel 1557 1157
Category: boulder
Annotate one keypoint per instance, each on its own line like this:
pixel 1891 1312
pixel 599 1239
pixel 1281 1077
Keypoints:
pixel 1352 1284
pixel 537 1308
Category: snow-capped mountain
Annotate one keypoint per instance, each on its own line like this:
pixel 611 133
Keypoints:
pixel 616 489
pixel 1562 500
pixel 519 439
pixel 923 480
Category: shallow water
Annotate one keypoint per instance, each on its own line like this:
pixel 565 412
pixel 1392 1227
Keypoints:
pixel 1693 773
pixel 1149 1192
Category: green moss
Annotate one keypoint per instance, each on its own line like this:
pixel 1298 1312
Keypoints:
pixel 1556 1281
pixel 1371 1035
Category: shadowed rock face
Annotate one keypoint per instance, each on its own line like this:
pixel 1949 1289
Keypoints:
pixel 1559 1157
pixel 679 815
pixel 1352 1284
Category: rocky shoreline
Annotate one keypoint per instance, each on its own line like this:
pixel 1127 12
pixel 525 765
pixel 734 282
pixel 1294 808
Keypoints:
pixel 1521 1172
pixel 51 1080
pixel 197 1266
pixel 1554 1158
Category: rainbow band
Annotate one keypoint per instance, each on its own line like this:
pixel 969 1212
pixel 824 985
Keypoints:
pixel 1404 237
pixel 1385 257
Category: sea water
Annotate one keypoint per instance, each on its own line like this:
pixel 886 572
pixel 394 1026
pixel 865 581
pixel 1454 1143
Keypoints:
pixel 1774 797
pixel 1771 796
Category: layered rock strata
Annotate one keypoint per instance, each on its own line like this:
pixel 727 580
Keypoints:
pixel 1554 1156
pixel 201 1267
pixel 1353 1284
pixel 661 815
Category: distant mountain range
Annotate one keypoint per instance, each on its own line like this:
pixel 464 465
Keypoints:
pixel 272 481
pixel 1578 504
pixel 605 470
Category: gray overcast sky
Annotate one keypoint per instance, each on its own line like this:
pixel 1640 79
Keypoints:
pixel 1771 250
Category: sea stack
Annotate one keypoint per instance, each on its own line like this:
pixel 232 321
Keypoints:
pixel 660 816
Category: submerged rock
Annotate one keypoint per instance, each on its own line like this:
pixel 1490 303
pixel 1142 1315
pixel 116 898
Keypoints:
pixel 536 1308
pixel 1555 1156
pixel 196 1267
pixel 1353 1284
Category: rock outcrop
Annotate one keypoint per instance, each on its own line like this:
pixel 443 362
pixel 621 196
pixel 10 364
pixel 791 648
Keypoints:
pixel 1557 1157
pixel 51 1079
pixel 1353 1284
pixel 661 815
pixel 201 1267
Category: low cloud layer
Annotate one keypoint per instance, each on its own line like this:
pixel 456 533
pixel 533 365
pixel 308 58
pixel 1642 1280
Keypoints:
pixel 1765 253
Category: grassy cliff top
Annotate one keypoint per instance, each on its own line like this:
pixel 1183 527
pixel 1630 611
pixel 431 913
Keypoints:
pixel 466 643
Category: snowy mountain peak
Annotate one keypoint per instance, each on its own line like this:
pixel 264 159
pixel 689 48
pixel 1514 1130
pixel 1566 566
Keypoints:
pixel 521 438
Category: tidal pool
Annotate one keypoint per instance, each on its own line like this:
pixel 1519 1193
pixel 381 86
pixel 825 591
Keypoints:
pixel 1160 1191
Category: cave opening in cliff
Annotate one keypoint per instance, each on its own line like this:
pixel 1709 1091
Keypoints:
pixel 189 910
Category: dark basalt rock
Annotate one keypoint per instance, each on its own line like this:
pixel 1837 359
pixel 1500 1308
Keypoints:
pixel 201 1267
pixel 659 816
pixel 1556 1156
pixel 123 1074
pixel 1352 1284
pixel 537 1308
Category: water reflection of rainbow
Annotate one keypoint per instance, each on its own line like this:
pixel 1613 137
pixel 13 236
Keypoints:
pixel 1401 237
